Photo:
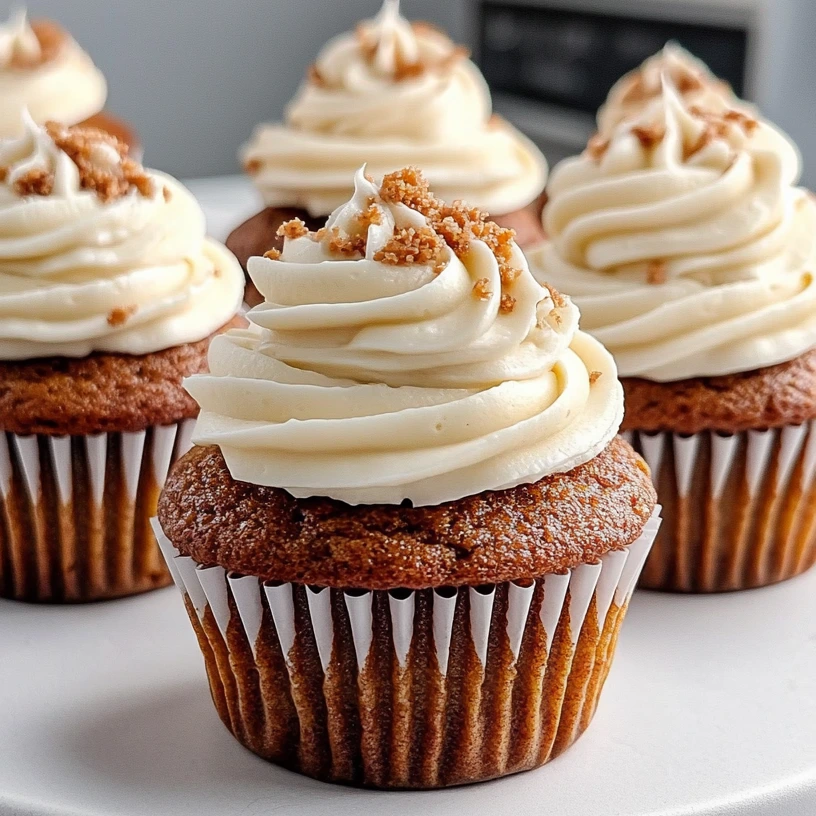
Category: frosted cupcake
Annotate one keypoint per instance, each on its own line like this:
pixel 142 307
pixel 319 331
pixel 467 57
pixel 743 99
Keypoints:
pixel 109 292
pixel 691 252
pixel 408 535
pixel 44 70
pixel 392 93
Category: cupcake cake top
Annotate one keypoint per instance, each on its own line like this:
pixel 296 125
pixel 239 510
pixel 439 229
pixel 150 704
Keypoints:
pixel 686 243
pixel 99 254
pixel 643 87
pixel 43 70
pixel 392 93
pixel 404 352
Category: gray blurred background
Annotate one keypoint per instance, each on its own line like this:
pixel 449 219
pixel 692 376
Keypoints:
pixel 194 76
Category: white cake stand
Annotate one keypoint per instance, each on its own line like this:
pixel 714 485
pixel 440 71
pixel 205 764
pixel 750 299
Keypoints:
pixel 710 710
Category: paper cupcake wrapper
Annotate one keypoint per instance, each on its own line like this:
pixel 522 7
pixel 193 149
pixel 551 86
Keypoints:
pixel 739 510
pixel 75 511
pixel 409 689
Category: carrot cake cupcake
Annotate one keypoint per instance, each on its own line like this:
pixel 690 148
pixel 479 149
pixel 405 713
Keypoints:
pixel 683 238
pixel 391 93
pixel 408 534
pixel 109 292
pixel 44 70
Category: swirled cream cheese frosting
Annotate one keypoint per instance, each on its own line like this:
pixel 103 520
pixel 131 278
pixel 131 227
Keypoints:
pixel 686 243
pixel 393 93
pixel 98 254
pixel 43 70
pixel 404 352
pixel 636 91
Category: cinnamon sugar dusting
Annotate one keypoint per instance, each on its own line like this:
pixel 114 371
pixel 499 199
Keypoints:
pixel 718 126
pixel 3 173
pixel 120 316
pixel 314 76
pixel 292 230
pixel 109 181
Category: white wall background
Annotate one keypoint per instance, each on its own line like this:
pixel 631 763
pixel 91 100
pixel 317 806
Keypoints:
pixel 194 76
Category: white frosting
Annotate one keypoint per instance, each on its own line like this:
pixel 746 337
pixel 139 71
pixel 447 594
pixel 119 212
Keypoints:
pixel 376 383
pixel 69 262
pixel 361 111
pixel 641 89
pixel 723 227
pixel 67 88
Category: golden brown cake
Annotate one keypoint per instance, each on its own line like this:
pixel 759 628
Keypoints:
pixel 408 534
pixel 98 328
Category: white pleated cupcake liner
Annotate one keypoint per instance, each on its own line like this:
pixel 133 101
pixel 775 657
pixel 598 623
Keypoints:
pixel 739 508
pixel 554 636
pixel 60 496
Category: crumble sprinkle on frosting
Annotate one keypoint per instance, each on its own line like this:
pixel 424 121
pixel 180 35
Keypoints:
pixel 404 351
pixel 98 163
pixel 452 226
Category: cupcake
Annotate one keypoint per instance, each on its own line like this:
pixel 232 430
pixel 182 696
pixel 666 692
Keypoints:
pixel 691 253
pixel 408 534
pixel 44 70
pixel 390 94
pixel 109 292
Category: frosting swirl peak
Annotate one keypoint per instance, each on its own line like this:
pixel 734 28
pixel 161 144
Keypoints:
pixel 685 242
pixel 44 71
pixel 393 93
pixel 98 254
pixel 404 352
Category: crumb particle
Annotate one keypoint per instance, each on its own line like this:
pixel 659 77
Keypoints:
pixel 119 316
pixel 656 272
pixel 481 289
pixel 594 376
pixel 272 254
pixel 596 147
pixel 252 166
pixel 507 304
pixel 649 136
pixel 167 193
pixel 36 182
pixel 292 230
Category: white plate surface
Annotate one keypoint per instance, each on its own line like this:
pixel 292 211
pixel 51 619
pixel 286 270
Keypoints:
pixel 710 709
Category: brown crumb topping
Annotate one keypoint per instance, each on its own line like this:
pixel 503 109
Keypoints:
pixel 649 136
pixel 109 182
pixel 368 43
pixel 656 272
pixel 253 166
pixel 3 174
pixel 718 126
pixel 555 296
pixel 52 39
pixel 371 215
pixel 507 304
pixel 121 315
pixel 412 246
pixel 340 243
pixel 167 194
pixel 314 76
pixel 481 289
pixel 36 182
pixel 293 229
pixel 594 376
pixel 596 147
pixel 273 254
